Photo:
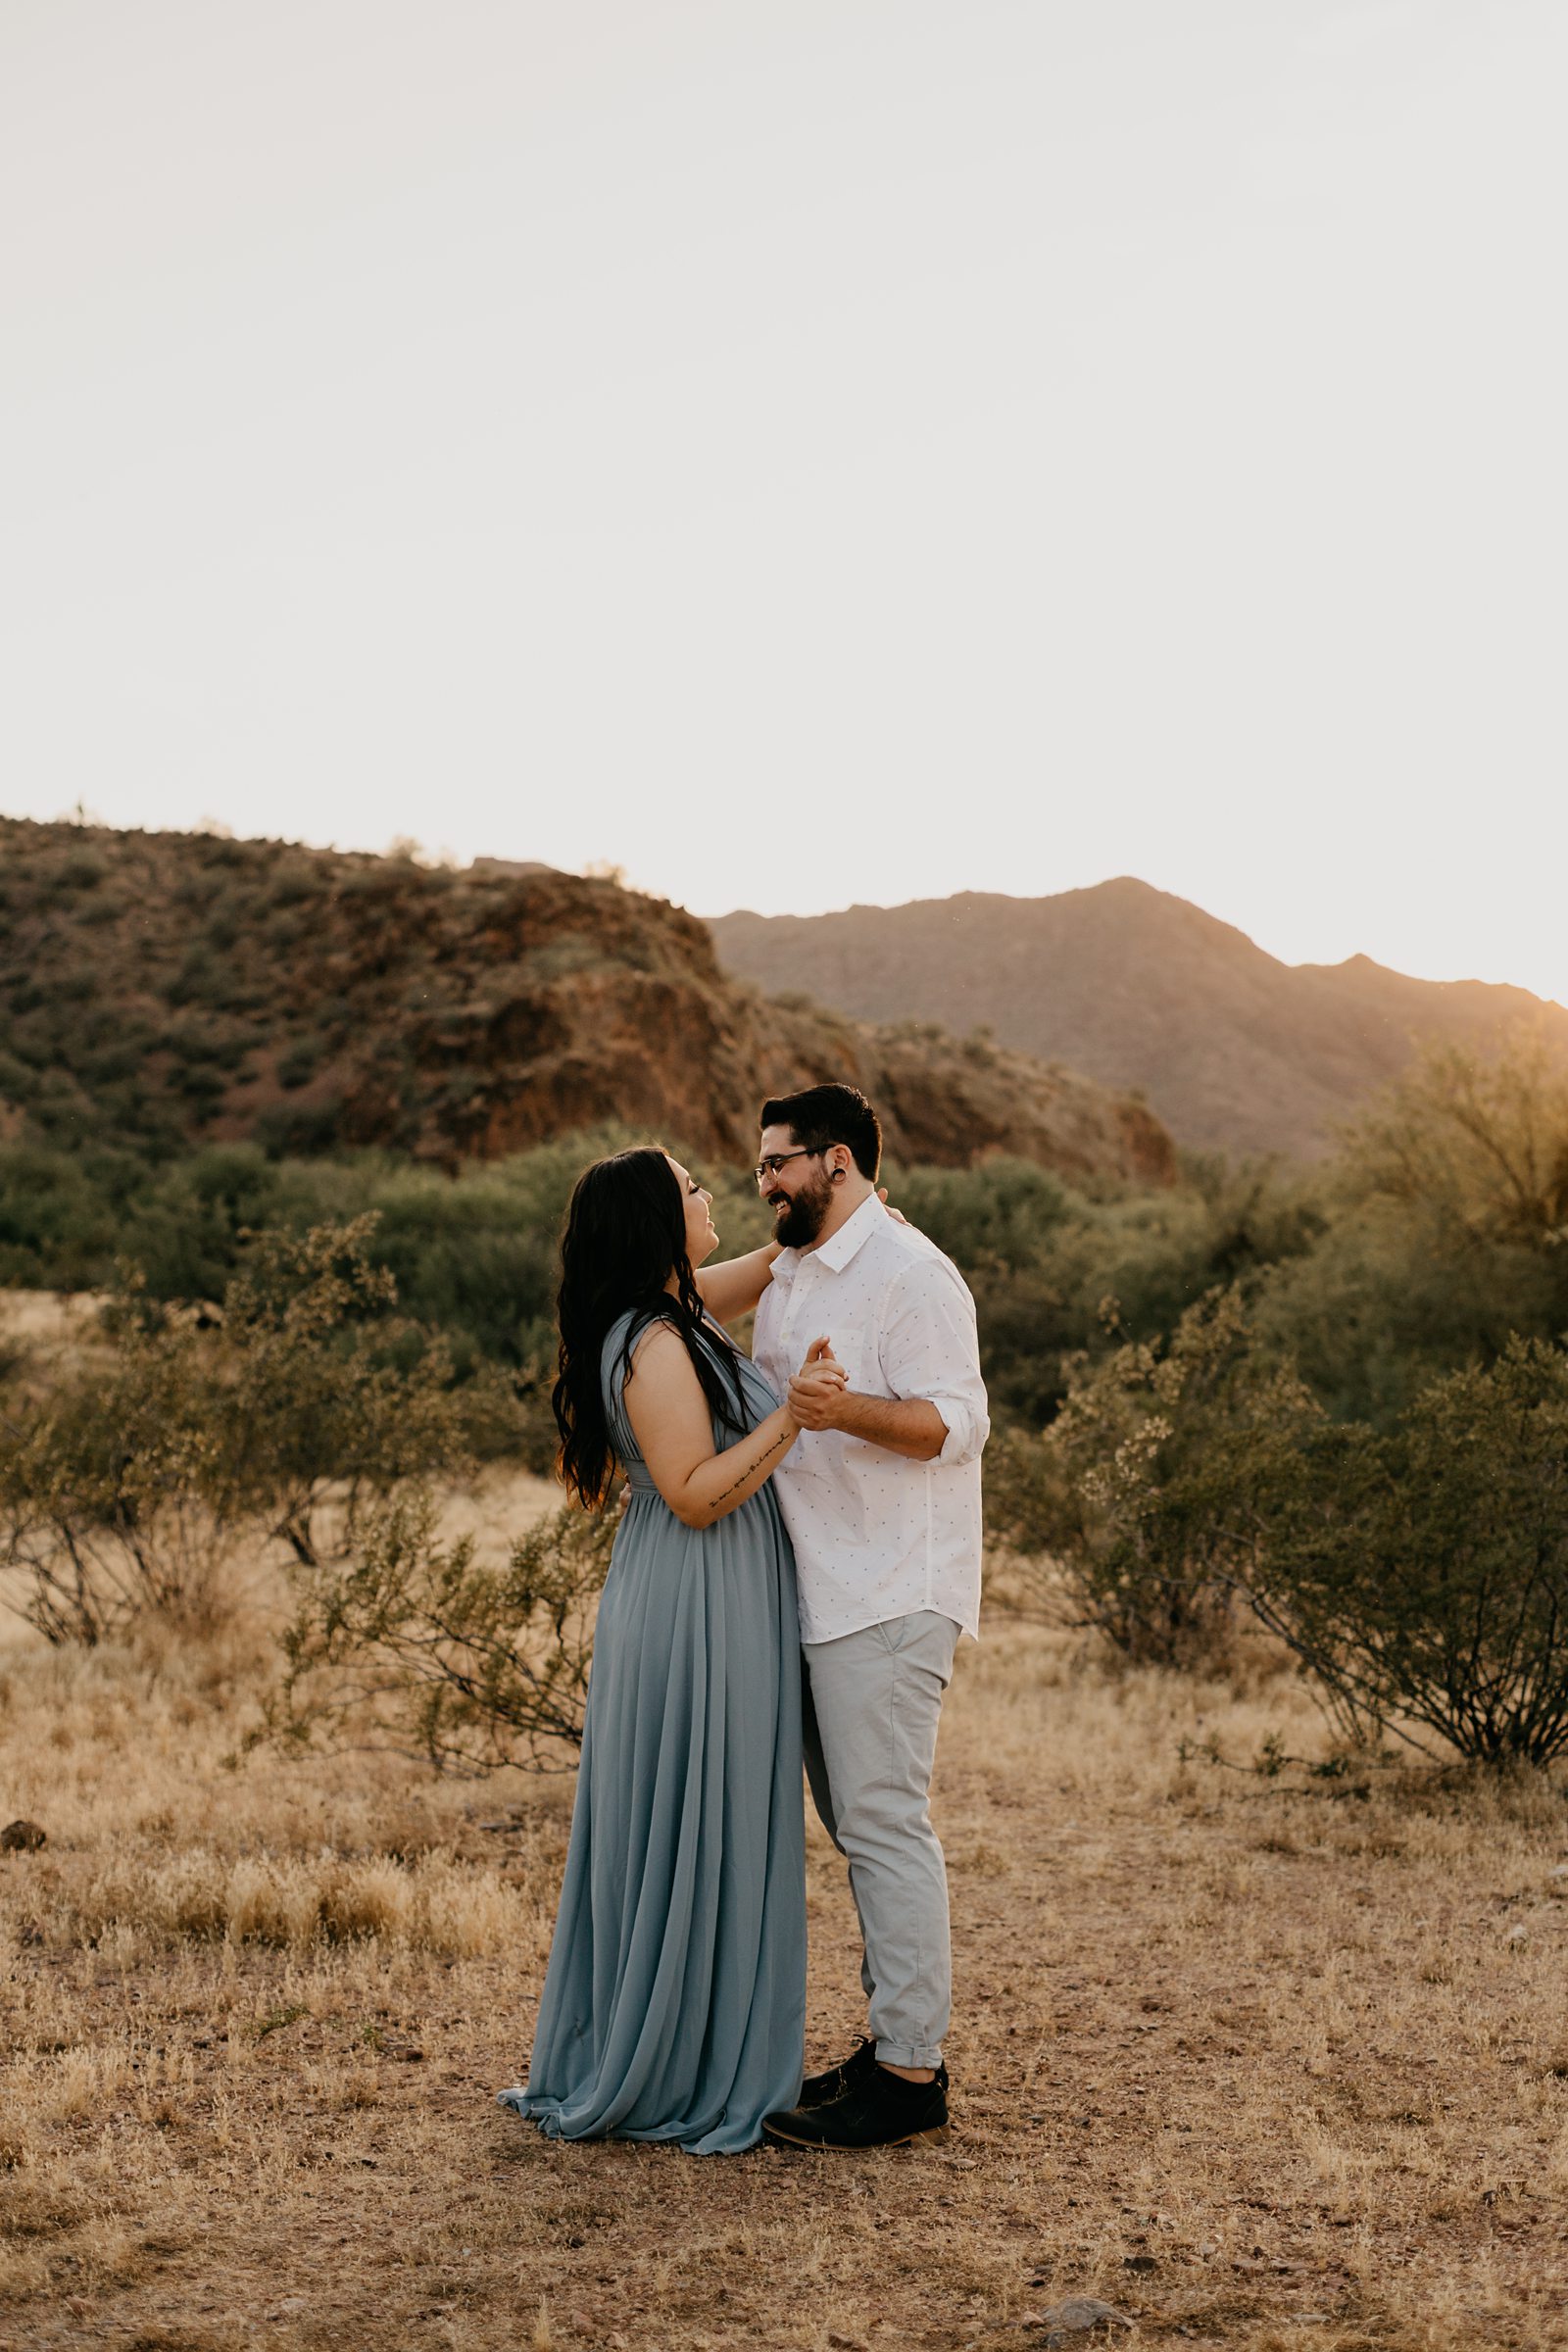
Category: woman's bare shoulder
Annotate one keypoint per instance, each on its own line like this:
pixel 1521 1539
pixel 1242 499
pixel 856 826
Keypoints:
pixel 654 1347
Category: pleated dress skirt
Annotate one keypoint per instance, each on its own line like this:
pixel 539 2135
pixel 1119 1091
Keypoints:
pixel 674 2000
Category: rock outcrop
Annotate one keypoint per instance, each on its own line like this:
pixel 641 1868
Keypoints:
pixel 165 990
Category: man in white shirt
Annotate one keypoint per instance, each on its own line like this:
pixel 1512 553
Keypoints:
pixel 881 1496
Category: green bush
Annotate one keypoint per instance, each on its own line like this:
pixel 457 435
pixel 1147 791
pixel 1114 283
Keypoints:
pixel 58 1222
pixel 125 1485
pixel 1421 1574
pixel 418 1645
pixel 1131 1494
pixel 300 1061
pixel 1444 1225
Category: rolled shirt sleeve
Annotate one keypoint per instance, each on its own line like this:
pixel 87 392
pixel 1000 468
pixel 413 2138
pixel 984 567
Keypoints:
pixel 930 1348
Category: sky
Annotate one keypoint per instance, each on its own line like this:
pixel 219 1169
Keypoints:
pixel 807 455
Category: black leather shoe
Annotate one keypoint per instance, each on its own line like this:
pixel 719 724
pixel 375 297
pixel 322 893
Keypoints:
pixel 818 2089
pixel 878 2110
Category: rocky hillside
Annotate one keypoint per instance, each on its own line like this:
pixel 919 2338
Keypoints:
pixel 1234 1049
pixel 161 989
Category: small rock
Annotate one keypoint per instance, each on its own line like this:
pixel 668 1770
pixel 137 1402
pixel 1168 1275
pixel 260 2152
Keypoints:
pixel 22 1837
pixel 1077 2316
pixel 1561 1871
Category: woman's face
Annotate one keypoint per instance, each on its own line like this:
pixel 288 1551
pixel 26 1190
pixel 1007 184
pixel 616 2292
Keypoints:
pixel 701 1238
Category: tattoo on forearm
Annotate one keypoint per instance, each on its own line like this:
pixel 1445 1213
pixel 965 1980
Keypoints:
pixel 777 1446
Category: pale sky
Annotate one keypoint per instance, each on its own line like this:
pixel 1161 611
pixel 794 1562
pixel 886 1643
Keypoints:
pixel 807 453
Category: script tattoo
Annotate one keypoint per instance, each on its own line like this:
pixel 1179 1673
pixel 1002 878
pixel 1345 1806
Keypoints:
pixel 777 1446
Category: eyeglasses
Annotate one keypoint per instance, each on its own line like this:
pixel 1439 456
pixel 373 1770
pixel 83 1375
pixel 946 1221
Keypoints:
pixel 771 1165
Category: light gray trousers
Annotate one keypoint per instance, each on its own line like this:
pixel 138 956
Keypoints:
pixel 872 1701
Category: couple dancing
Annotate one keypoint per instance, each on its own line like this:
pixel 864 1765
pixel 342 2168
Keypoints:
pixel 819 1501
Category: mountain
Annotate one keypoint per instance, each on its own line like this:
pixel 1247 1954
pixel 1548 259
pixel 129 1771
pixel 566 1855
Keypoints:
pixel 161 990
pixel 1144 992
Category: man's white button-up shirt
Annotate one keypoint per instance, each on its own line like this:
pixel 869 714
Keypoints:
pixel 876 1535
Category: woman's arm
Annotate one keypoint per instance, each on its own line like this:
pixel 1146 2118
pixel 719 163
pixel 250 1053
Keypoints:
pixel 733 1289
pixel 673 1426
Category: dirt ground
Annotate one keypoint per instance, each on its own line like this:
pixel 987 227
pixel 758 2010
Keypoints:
pixel 1263 2063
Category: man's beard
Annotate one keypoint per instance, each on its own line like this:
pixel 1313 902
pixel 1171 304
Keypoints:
pixel 806 1215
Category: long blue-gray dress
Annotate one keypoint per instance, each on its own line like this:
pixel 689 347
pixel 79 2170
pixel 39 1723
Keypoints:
pixel 674 2001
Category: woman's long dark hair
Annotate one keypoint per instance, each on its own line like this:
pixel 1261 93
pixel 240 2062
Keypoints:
pixel 626 1235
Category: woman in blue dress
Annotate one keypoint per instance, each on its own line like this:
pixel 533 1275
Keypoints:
pixel 673 2006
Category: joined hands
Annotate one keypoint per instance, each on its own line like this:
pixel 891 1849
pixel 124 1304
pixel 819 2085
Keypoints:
pixel 819 1388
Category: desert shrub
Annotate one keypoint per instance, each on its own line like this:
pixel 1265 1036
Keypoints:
pixel 102 908
pixel 304 1130
pixel 58 1221
pixel 112 1498
pixel 418 1645
pixel 184 1226
pixel 206 976
pixel 198 1044
pixel 1132 1493
pixel 1444 1234
pixel 1421 1574
pixel 337 1399
pixel 123 1486
pixel 78 869
pixel 1387 1301
pixel 294 881
pixel 1481 1143
pixel 300 1061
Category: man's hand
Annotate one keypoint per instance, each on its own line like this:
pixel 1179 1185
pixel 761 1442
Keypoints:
pixel 821 1380
pixel 817 1404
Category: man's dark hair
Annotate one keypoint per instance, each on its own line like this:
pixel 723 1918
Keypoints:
pixel 820 1116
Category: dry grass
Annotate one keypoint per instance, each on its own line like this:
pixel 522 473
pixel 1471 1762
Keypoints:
pixel 1264 2067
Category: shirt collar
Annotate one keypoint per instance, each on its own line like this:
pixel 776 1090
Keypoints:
pixel 837 1250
